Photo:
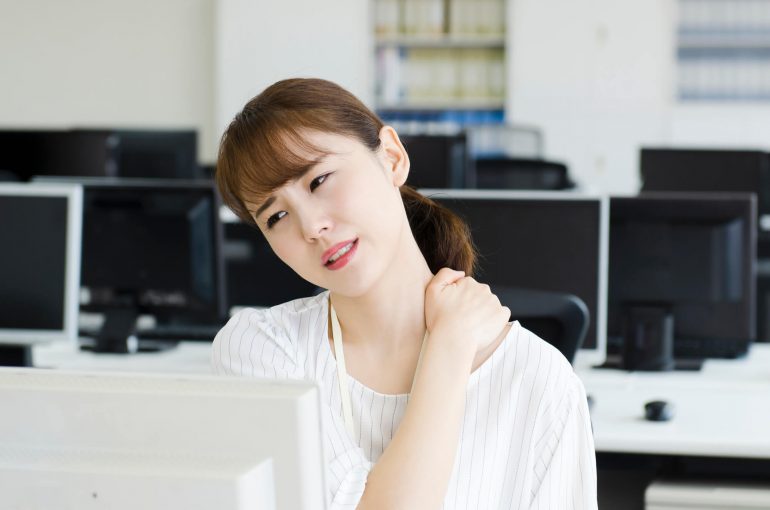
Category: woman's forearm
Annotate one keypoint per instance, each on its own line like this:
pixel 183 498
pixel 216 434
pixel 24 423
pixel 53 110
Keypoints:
pixel 414 470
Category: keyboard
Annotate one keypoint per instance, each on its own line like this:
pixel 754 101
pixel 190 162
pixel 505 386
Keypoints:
pixel 695 349
pixel 196 332
pixel 703 348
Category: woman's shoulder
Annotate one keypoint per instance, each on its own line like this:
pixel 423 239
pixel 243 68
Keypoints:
pixel 539 363
pixel 278 330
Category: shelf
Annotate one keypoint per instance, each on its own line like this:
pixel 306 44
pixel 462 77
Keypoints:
pixel 440 60
pixel 444 104
pixel 725 41
pixel 442 41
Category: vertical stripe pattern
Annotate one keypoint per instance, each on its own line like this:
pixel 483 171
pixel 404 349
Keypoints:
pixel 525 440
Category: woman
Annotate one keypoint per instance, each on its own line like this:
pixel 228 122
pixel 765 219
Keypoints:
pixel 433 397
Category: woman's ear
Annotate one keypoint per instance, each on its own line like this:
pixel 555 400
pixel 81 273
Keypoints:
pixel 394 156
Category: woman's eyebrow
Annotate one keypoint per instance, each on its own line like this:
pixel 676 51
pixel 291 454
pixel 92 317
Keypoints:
pixel 267 203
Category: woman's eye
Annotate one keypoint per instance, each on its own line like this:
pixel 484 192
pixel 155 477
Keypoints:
pixel 317 181
pixel 272 220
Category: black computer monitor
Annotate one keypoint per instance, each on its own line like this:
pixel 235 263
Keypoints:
pixel 165 154
pixel 719 170
pixel 150 247
pixel 712 170
pixel 170 154
pixel 255 275
pixel 542 241
pixel 40 229
pixel 28 153
pixel 692 257
pixel 519 173
pixel 438 161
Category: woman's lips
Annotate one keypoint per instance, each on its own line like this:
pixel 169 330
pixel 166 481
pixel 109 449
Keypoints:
pixel 348 249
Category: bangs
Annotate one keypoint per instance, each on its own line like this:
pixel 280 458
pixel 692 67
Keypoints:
pixel 267 144
pixel 266 160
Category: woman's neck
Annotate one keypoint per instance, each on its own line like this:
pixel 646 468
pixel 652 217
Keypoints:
pixel 391 314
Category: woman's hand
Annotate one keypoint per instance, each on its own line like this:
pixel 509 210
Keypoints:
pixel 460 309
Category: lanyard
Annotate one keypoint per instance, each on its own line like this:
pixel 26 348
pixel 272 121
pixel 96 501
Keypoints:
pixel 342 373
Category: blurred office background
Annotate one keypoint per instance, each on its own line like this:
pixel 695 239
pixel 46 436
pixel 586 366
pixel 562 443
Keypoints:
pixel 599 79
pixel 570 93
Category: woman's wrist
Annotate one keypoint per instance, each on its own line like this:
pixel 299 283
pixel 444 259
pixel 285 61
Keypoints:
pixel 456 343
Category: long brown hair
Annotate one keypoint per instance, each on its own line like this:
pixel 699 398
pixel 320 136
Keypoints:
pixel 256 156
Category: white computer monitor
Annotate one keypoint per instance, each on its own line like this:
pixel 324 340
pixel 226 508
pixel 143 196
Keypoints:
pixel 128 441
pixel 40 236
pixel 551 241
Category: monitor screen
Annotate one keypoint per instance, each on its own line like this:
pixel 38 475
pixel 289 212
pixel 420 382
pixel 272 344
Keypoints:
pixel 129 441
pixel 167 154
pixel 40 229
pixel 170 154
pixel 691 253
pixel 437 161
pixel 153 246
pixel 28 153
pixel 255 275
pixel 707 170
pixel 521 174
pixel 542 241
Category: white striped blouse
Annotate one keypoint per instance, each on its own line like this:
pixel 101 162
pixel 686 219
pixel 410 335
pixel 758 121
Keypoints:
pixel 525 441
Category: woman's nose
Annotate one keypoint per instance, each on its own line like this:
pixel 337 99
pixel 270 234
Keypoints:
pixel 315 223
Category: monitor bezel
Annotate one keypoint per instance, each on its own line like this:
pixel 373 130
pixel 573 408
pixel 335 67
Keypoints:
pixel 732 200
pixel 163 421
pixel 221 311
pixel 73 193
pixel 584 357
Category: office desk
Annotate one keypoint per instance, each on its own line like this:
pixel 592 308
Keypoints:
pixel 722 414
pixel 721 411
pixel 720 431
pixel 187 357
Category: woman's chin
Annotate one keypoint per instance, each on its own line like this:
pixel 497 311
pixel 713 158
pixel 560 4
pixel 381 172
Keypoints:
pixel 350 287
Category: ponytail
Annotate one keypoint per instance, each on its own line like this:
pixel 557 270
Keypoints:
pixel 443 237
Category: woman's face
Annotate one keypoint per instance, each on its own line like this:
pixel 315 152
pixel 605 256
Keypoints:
pixel 340 225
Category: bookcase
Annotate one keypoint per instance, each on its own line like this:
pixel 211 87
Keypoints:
pixel 440 60
pixel 723 50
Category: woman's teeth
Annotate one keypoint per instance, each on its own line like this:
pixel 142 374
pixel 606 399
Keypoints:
pixel 339 254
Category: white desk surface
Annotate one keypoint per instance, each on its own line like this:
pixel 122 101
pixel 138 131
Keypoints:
pixel 721 411
pixel 187 357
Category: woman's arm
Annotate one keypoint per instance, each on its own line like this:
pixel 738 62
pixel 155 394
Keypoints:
pixel 414 470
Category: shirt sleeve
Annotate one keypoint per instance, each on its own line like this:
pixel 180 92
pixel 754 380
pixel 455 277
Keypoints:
pixel 251 344
pixel 348 470
pixel 568 475
pixel 348 466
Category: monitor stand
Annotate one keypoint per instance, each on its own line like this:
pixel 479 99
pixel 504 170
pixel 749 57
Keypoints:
pixel 15 356
pixel 118 335
pixel 118 332
pixel 648 337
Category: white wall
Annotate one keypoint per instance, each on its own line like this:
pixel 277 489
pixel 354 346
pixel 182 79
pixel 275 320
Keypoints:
pixel 98 63
pixel 259 42
pixel 745 125
pixel 597 77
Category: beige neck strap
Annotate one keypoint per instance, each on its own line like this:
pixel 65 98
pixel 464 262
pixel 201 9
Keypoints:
pixel 342 373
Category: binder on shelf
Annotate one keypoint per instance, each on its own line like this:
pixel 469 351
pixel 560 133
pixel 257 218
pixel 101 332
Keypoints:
pixel 723 50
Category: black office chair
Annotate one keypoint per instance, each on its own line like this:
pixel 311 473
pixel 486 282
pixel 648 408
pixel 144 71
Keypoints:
pixel 519 173
pixel 560 319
